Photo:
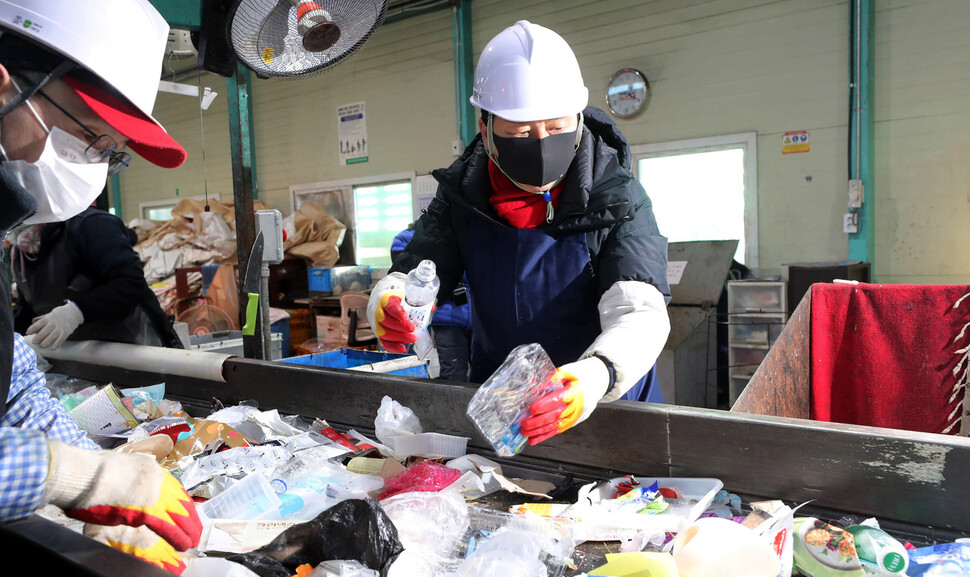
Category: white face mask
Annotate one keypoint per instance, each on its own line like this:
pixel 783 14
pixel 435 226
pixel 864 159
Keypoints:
pixel 62 180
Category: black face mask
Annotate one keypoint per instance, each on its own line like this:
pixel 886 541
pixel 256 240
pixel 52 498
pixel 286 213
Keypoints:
pixel 535 161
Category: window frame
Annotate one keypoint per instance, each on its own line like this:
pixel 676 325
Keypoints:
pixel 346 188
pixel 748 141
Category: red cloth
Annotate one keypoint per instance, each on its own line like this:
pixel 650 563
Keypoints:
pixel 884 355
pixel 519 208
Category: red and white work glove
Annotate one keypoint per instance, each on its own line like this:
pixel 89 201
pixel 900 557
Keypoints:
pixel 140 542
pixel 111 488
pixel 52 329
pixel 393 329
pixel 385 312
pixel 584 384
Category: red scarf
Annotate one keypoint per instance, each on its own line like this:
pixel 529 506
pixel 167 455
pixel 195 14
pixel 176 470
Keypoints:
pixel 519 208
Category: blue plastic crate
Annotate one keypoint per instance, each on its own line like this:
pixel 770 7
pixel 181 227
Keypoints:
pixel 346 358
pixel 282 326
pixel 339 279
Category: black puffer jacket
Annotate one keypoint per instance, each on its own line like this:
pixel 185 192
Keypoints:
pixel 89 260
pixel 600 197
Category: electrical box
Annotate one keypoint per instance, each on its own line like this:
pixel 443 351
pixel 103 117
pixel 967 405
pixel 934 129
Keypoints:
pixel 850 222
pixel 270 223
pixel 857 193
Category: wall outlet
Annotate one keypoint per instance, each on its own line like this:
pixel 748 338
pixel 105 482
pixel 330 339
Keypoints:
pixel 857 193
pixel 850 222
pixel 456 147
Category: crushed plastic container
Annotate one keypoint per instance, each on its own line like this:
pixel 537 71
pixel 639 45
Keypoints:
pixel 601 525
pixel 502 402
pixel 248 499
pixel 430 445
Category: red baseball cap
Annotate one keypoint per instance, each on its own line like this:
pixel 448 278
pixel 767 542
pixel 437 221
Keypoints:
pixel 146 137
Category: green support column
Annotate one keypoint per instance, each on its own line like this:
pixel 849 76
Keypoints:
pixel 116 196
pixel 861 128
pixel 464 71
pixel 184 14
pixel 243 187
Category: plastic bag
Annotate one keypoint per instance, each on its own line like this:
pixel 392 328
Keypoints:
pixel 502 402
pixel 355 529
pixel 342 569
pixel 423 476
pixel 522 538
pixel 261 564
pixel 510 552
pixel 430 523
pixel 394 419
pixel 216 567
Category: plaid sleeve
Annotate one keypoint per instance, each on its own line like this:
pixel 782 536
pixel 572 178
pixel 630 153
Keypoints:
pixel 24 463
pixel 30 406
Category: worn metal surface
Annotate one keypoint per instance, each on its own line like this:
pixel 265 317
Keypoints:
pixel 703 279
pixel 901 476
pixel 782 384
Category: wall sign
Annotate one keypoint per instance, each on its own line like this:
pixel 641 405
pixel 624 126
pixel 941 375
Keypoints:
pixel 795 142
pixel 352 133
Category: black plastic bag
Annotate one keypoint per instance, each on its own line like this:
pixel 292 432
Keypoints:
pixel 355 529
pixel 261 565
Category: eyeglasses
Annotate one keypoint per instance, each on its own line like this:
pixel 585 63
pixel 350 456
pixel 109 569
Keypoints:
pixel 102 149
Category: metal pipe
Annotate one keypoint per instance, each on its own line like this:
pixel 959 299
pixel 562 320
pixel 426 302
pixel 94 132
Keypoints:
pixel 191 364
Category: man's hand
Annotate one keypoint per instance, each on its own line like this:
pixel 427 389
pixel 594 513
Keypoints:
pixel 53 328
pixel 140 542
pixel 394 331
pixel 584 384
pixel 111 488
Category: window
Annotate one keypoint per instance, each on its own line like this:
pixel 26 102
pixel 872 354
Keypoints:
pixel 380 208
pixel 162 209
pixel 704 189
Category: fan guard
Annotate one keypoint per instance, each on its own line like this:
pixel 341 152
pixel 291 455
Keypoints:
pixel 204 318
pixel 290 38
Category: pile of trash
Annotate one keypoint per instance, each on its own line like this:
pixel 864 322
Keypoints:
pixel 282 495
pixel 200 237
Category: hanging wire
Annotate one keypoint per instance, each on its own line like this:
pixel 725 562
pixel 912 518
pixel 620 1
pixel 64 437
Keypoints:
pixel 205 182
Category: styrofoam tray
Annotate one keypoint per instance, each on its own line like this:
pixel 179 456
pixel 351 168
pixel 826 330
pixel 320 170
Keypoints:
pixel 698 494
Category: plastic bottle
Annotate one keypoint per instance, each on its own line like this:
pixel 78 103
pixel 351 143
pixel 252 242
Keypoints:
pixel 420 291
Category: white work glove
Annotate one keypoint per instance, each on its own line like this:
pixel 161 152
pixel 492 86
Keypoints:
pixel 584 384
pixel 140 542
pixel 53 328
pixel 112 488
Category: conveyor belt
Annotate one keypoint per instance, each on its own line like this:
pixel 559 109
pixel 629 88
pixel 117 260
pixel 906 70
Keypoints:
pixel 914 483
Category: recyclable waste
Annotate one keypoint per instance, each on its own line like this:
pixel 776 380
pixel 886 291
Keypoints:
pixel 420 291
pixel 279 498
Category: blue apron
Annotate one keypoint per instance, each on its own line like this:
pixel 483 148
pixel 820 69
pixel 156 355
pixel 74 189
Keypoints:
pixel 530 287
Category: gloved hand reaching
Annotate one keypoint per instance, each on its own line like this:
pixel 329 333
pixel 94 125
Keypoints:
pixel 110 488
pixel 53 328
pixel 140 542
pixel 584 384
pixel 394 331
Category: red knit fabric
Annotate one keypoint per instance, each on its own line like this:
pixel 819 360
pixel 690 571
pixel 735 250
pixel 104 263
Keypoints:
pixel 885 355
pixel 519 208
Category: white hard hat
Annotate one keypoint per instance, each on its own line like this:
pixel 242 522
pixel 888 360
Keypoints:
pixel 528 72
pixel 119 46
